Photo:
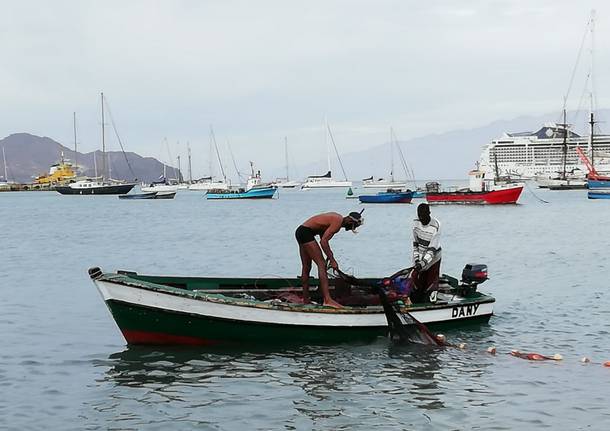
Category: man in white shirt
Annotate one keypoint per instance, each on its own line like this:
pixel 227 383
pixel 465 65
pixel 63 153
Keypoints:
pixel 426 254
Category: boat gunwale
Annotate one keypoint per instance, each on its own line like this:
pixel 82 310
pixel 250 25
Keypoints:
pixel 200 295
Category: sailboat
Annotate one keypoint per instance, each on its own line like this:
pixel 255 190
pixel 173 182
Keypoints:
pixel 564 180
pixel 209 182
pixel 382 183
pixel 286 183
pixel 162 185
pixel 97 186
pixel 327 180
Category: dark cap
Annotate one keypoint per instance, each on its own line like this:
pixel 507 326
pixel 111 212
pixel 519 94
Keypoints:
pixel 356 217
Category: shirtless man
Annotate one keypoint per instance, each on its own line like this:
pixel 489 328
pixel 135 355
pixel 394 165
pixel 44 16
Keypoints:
pixel 325 225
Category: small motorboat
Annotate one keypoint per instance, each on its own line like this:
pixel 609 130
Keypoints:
pixel 149 195
pixel 599 194
pixel 390 196
pixel 165 195
pixel 262 311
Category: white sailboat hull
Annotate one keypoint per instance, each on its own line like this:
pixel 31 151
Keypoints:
pixel 215 185
pixel 325 184
pixel 160 188
pixel 383 185
pixel 287 184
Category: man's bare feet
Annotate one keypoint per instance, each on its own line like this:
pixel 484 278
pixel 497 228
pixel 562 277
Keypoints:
pixel 332 303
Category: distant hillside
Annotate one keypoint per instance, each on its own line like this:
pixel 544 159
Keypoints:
pixel 447 155
pixel 28 156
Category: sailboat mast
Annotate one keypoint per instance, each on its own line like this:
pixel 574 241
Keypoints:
pixel 234 162
pixel 75 145
pixel 211 155
pixel 5 170
pixel 103 139
pixel 565 145
pixel 95 163
pixel 188 150
pixel 592 125
pixel 179 170
pixel 391 157
pixel 327 144
pixel 286 155
pixel 332 139
pixel 591 74
pixel 592 92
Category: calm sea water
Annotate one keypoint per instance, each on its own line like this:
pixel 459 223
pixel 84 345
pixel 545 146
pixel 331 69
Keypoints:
pixel 64 364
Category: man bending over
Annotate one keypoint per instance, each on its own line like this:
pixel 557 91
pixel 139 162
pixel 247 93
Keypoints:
pixel 325 225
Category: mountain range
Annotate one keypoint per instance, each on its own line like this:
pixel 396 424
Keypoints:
pixel 29 156
pixel 448 155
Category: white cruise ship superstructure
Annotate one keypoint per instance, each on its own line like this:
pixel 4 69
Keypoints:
pixel 540 153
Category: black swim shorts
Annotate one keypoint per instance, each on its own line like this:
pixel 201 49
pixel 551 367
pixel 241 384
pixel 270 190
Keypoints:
pixel 303 234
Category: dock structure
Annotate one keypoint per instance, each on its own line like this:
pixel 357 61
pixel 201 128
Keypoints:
pixel 26 187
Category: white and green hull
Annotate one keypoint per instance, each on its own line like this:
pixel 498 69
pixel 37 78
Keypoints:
pixel 154 313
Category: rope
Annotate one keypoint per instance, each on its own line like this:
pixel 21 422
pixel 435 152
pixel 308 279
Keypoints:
pixel 332 139
pixel 534 194
pixel 582 43
pixel 116 133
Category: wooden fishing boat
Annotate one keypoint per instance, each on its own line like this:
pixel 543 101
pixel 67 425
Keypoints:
pixel 255 189
pixel 388 197
pixel 240 193
pixel 212 310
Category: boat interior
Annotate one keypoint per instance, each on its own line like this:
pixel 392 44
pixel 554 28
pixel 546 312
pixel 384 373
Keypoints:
pixel 281 289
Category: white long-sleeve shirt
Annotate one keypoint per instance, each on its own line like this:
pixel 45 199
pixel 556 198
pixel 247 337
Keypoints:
pixel 426 242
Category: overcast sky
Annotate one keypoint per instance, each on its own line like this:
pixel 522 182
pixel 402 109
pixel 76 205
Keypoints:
pixel 259 71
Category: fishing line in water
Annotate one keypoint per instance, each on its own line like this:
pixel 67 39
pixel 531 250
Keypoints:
pixel 534 194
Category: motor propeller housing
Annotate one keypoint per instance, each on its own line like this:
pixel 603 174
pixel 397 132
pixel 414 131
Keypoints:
pixel 474 274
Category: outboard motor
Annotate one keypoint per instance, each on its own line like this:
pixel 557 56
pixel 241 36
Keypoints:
pixel 473 274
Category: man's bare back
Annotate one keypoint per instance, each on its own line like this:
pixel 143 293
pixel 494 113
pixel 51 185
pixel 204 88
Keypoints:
pixel 322 222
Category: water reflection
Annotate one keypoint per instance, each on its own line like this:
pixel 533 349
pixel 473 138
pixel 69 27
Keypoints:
pixel 141 366
pixel 317 384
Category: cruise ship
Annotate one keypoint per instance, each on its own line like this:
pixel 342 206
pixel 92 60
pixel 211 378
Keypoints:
pixel 540 154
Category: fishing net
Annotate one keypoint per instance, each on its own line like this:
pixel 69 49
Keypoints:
pixel 405 328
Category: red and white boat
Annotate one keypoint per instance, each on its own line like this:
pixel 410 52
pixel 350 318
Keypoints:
pixel 481 191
